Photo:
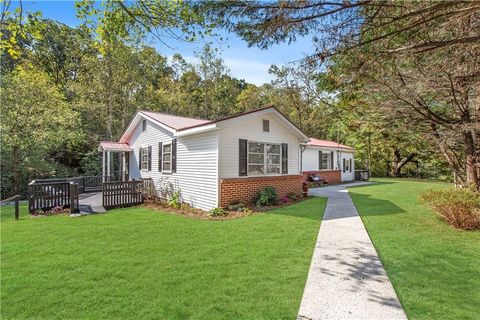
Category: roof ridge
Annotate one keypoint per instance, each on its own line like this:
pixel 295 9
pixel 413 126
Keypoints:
pixel 175 115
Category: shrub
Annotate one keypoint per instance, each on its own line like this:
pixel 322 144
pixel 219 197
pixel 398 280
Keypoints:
pixel 175 200
pixel 247 210
pixel 217 212
pixel 459 208
pixel 293 196
pixel 266 197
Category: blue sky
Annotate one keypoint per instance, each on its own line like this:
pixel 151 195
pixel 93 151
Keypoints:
pixel 251 64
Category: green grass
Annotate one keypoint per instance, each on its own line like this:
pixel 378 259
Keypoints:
pixel 434 268
pixel 139 263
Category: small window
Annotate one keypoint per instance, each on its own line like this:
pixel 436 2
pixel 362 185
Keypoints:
pixel 266 126
pixel 325 161
pixel 167 157
pixel 144 158
pixel 144 125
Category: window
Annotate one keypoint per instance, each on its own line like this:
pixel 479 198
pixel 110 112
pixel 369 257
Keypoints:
pixel 263 158
pixel 347 165
pixel 144 125
pixel 167 157
pixel 144 158
pixel 325 161
pixel 266 126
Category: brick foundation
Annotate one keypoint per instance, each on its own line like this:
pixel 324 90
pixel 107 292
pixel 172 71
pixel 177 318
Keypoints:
pixel 332 176
pixel 245 189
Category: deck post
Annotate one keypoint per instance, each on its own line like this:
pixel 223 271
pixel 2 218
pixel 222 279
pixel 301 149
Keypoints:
pixel 17 207
pixel 103 165
pixel 124 166
pixel 108 164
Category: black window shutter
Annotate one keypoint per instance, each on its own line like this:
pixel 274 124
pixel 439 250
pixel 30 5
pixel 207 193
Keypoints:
pixel 343 165
pixel 242 159
pixel 140 158
pixel 174 155
pixel 160 150
pixel 149 158
pixel 350 167
pixel 284 158
pixel 331 160
pixel 320 160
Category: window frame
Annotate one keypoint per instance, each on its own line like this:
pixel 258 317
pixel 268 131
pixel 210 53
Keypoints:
pixel 266 125
pixel 348 167
pixel 144 158
pixel 164 144
pixel 265 155
pixel 328 154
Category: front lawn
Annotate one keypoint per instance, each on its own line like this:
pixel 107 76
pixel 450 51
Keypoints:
pixel 140 263
pixel 434 268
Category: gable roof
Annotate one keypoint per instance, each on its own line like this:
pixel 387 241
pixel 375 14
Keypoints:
pixel 328 144
pixel 180 126
pixel 175 122
pixel 114 146
pixel 269 108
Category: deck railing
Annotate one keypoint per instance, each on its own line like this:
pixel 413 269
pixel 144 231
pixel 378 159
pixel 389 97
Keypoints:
pixel 122 194
pixel 45 196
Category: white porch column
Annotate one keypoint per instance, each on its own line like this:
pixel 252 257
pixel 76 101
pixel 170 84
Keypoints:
pixel 103 165
pixel 124 166
pixel 108 163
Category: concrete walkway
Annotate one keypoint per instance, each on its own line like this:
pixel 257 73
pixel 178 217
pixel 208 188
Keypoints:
pixel 346 278
pixel 91 202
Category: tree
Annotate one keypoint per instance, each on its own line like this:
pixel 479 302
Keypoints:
pixel 35 120
pixel 424 55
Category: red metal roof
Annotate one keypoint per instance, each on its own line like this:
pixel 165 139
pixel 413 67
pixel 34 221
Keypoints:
pixel 327 144
pixel 114 146
pixel 175 122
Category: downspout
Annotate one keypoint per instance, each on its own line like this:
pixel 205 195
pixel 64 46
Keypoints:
pixel 302 149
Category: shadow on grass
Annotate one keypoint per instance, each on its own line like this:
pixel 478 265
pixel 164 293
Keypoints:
pixel 372 206
pixel 311 208
pixel 373 183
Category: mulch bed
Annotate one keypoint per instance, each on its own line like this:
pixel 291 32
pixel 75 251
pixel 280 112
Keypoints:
pixel 201 214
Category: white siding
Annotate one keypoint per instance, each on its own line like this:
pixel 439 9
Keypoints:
pixel 310 160
pixel 197 161
pixel 251 128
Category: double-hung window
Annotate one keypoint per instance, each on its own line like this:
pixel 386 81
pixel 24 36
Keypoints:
pixel 144 158
pixel 263 158
pixel 167 157
pixel 325 161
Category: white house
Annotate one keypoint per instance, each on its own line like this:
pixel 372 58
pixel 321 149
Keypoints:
pixel 328 159
pixel 212 163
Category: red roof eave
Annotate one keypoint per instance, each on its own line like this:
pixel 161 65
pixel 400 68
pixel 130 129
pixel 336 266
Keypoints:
pixel 114 146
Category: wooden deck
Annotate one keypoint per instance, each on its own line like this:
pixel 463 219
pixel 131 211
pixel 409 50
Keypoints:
pixel 91 202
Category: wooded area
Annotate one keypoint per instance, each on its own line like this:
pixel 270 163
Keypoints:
pixel 397 81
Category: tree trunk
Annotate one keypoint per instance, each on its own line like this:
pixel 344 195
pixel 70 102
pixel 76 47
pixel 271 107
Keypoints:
pixel 471 169
pixel 110 96
pixel 16 172
pixel 399 162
